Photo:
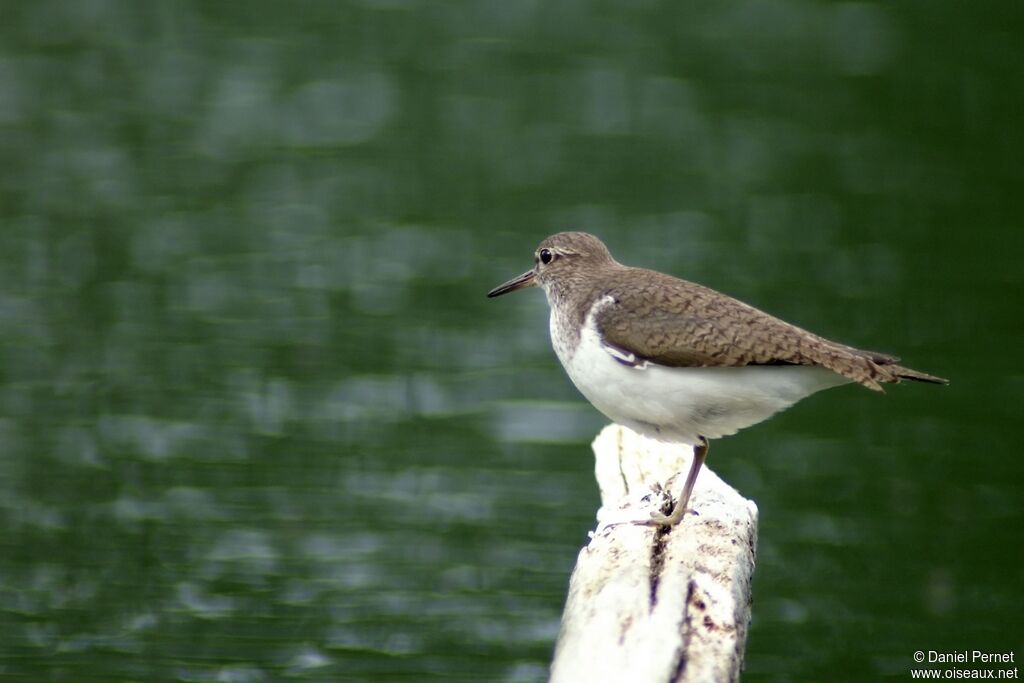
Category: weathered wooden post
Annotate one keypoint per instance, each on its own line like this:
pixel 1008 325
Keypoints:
pixel 656 605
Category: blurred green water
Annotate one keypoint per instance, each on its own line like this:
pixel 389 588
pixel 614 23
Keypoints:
pixel 258 421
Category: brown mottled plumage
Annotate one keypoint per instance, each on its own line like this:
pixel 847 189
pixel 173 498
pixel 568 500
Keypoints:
pixel 677 361
pixel 676 323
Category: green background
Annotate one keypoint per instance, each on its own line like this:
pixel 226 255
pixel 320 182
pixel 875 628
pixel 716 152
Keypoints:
pixel 258 421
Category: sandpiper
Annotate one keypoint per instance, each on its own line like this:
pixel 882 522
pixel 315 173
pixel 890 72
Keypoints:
pixel 677 361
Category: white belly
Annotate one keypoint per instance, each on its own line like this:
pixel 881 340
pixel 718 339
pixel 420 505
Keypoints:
pixel 682 404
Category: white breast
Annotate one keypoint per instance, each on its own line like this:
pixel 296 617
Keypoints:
pixel 682 404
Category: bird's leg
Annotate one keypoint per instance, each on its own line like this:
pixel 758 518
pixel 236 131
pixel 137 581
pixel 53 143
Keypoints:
pixel 700 453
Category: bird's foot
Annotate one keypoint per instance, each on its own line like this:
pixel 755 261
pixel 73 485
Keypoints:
pixel 671 519
pixel 675 513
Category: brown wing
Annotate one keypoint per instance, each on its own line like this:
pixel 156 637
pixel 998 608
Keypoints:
pixel 668 321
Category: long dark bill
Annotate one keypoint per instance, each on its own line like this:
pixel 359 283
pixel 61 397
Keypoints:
pixel 524 280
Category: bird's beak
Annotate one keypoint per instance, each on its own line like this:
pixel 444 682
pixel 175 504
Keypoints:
pixel 524 280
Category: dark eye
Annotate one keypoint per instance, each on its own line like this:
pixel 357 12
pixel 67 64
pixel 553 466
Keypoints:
pixel 546 256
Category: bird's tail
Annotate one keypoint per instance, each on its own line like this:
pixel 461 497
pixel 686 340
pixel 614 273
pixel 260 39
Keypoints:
pixel 872 369
pixel 906 373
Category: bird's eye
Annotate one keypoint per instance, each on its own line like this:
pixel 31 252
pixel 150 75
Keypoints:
pixel 546 256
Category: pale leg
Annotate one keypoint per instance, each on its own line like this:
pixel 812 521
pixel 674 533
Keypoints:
pixel 700 453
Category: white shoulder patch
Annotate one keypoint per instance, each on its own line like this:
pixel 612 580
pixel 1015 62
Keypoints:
pixel 624 357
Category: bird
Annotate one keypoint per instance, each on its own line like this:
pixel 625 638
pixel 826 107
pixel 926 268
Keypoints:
pixel 677 361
